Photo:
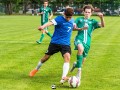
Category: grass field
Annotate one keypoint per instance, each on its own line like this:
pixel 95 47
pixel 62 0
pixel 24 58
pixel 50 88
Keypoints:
pixel 19 54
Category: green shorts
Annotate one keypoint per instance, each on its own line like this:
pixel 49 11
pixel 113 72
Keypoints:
pixel 86 47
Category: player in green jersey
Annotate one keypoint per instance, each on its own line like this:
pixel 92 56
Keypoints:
pixel 46 15
pixel 83 37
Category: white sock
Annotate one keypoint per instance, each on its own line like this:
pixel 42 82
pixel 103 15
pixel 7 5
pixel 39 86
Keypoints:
pixel 39 65
pixel 65 69
pixel 79 73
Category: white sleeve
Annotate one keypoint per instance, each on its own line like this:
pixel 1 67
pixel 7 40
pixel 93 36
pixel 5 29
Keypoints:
pixel 54 22
pixel 74 24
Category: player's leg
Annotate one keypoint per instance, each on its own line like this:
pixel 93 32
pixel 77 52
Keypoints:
pixel 84 59
pixel 41 37
pixel 48 33
pixel 79 57
pixel 42 60
pixel 66 52
pixel 53 48
pixel 78 75
pixel 65 67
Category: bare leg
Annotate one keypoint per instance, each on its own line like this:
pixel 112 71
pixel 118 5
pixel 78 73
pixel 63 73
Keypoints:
pixel 65 67
pixel 34 71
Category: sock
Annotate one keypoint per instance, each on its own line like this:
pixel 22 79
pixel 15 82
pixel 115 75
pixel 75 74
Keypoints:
pixel 79 61
pixel 41 38
pixel 79 73
pixel 48 33
pixel 39 65
pixel 65 69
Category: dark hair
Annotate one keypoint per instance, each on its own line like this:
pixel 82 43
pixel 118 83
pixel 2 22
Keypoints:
pixel 88 7
pixel 45 1
pixel 69 11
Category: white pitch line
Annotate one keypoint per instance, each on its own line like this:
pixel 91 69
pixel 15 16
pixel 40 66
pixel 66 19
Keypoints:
pixel 16 42
pixel 25 42
pixel 108 43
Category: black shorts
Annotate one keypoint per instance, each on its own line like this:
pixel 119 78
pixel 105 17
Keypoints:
pixel 54 48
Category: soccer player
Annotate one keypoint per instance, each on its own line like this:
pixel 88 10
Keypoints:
pixel 46 15
pixel 83 37
pixel 60 41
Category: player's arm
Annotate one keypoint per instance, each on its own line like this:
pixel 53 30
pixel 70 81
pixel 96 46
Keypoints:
pixel 102 23
pixel 51 15
pixel 45 25
pixel 77 29
pixel 40 12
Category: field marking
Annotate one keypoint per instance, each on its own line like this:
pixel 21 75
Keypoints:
pixel 25 42
pixel 107 43
pixel 17 42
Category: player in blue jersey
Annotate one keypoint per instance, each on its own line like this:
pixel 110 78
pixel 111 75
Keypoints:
pixel 60 41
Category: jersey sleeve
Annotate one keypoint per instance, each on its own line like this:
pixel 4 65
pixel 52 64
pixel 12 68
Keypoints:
pixel 56 21
pixel 96 24
pixel 76 21
pixel 39 10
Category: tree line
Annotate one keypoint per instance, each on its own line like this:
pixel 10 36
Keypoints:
pixel 16 5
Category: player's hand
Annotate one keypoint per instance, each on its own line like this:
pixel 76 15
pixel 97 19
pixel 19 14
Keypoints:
pixel 42 12
pixel 85 28
pixel 100 15
pixel 49 19
pixel 40 28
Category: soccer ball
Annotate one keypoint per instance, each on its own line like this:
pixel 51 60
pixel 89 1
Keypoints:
pixel 53 86
pixel 73 82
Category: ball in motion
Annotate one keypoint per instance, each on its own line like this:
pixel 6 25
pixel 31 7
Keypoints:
pixel 73 82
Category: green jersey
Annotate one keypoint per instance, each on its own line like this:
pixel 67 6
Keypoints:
pixel 45 16
pixel 85 35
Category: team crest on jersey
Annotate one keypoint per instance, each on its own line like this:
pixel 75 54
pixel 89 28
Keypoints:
pixel 81 20
pixel 89 22
pixel 47 51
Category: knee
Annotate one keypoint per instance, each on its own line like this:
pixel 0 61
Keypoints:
pixel 45 58
pixel 80 49
pixel 67 57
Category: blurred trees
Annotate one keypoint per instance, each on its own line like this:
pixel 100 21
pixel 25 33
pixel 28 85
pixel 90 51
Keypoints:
pixel 16 5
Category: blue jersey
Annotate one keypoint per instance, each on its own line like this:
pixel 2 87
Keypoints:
pixel 63 30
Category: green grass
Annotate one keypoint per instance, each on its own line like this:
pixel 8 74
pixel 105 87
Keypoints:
pixel 19 54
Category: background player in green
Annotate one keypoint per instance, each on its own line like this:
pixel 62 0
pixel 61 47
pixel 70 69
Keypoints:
pixel 46 15
pixel 83 37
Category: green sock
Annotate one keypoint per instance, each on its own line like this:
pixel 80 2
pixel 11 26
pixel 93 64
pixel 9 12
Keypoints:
pixel 49 34
pixel 41 38
pixel 79 61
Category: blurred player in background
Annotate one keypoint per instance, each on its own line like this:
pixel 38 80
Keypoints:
pixel 83 37
pixel 46 15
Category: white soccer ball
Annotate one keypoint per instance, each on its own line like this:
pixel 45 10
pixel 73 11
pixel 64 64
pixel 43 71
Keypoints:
pixel 73 82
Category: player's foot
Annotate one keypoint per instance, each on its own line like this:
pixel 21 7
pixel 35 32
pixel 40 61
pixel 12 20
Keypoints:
pixel 38 42
pixel 79 79
pixel 64 80
pixel 33 72
pixel 73 67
